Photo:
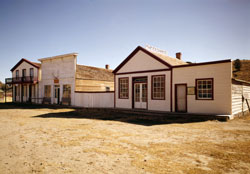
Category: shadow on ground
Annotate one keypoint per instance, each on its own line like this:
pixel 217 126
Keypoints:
pixel 11 105
pixel 140 117
pixel 133 117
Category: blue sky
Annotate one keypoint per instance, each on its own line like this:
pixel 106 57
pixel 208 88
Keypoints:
pixel 107 31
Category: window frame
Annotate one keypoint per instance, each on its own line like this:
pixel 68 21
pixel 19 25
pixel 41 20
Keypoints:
pixel 196 89
pixel 46 91
pixel 152 87
pixel 17 73
pixel 32 75
pixel 119 88
pixel 24 72
pixel 65 87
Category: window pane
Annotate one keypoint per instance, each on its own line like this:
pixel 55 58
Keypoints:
pixel 158 87
pixel 123 85
pixel 204 89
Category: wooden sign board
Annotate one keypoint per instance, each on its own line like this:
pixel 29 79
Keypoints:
pixel 190 90
pixel 56 80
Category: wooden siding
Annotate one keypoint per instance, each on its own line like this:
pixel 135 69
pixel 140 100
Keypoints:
pixel 246 90
pixel 239 105
pixel 93 85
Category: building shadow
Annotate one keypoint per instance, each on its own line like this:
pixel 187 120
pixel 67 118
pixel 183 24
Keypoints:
pixel 27 105
pixel 132 117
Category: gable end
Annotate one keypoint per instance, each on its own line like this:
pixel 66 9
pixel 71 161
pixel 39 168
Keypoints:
pixel 146 52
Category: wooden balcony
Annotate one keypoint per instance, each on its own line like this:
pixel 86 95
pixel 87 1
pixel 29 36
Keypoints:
pixel 26 79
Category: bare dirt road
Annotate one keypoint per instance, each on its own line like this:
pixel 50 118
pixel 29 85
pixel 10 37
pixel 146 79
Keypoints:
pixel 64 140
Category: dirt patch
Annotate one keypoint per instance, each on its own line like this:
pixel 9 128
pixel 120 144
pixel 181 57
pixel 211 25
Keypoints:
pixel 64 140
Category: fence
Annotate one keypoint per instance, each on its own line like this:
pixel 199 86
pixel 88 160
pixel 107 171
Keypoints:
pixel 94 99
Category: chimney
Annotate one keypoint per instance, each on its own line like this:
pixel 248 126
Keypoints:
pixel 107 66
pixel 178 55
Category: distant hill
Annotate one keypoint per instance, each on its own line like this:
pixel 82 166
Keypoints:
pixel 244 73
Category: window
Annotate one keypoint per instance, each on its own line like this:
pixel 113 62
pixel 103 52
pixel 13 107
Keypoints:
pixel 107 88
pixel 158 87
pixel 31 72
pixel 47 91
pixel 204 89
pixel 24 72
pixel 66 91
pixel 17 73
pixel 123 88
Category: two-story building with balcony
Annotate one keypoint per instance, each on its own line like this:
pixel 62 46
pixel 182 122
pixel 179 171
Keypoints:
pixel 25 78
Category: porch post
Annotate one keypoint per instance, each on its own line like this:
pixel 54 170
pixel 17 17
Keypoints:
pixel 5 90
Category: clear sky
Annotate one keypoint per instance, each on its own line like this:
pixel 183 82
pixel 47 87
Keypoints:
pixel 107 31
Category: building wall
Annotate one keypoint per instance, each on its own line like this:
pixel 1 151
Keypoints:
pixel 161 105
pixel 239 104
pixel 141 62
pixel 93 85
pixel 246 93
pixel 63 69
pixel 221 73
pixel 95 100
pixel 27 66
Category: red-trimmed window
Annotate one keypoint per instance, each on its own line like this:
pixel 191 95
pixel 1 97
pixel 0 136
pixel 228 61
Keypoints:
pixel 204 89
pixel 158 87
pixel 123 88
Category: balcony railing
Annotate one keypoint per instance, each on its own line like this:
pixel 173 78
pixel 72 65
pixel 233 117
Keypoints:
pixel 26 79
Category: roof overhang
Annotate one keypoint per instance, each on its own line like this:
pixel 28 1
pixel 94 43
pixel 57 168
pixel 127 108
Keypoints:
pixel 203 63
pixel 24 60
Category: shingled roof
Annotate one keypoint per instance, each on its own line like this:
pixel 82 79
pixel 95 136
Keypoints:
pixel 94 73
pixel 170 60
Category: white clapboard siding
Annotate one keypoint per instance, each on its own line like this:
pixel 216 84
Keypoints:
pixel 236 98
pixel 246 90
pixel 95 100
pixel 238 104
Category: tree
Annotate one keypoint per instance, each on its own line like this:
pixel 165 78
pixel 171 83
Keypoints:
pixel 237 64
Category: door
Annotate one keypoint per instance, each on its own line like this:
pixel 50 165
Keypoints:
pixel 140 95
pixel 57 94
pixel 30 93
pixel 15 93
pixel 181 97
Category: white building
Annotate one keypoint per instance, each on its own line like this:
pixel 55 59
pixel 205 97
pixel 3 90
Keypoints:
pixel 150 80
pixel 25 79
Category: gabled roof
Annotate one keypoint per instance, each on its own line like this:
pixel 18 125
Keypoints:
pixel 93 73
pixel 37 65
pixel 166 60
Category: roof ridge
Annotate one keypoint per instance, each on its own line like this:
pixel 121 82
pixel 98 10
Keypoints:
pixel 95 67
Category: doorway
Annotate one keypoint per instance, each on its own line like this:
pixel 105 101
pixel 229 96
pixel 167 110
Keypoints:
pixel 140 92
pixel 181 97
pixel 30 93
pixel 57 94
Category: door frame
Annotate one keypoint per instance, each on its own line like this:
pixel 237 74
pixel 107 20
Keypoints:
pixel 137 77
pixel 175 89
pixel 57 89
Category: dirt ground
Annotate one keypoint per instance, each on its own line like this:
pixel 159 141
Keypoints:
pixel 36 139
